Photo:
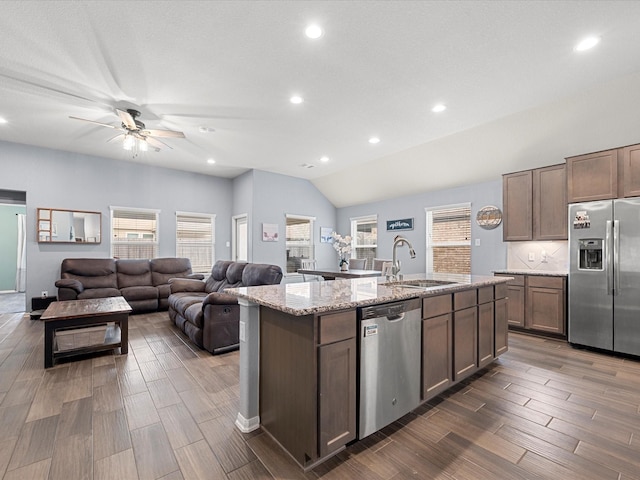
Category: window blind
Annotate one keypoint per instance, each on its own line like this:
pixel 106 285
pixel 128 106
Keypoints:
pixel 195 240
pixel 134 233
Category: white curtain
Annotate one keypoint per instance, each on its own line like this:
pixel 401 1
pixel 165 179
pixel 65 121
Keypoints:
pixel 21 271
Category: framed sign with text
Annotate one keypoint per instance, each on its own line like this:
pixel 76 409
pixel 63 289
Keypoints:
pixel 401 224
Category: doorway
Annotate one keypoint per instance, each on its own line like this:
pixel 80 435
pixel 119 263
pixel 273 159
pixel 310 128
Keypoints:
pixel 13 211
pixel 240 240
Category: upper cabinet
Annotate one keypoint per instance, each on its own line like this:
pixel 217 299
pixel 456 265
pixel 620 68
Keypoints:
pixel 535 204
pixel 592 177
pixel 604 175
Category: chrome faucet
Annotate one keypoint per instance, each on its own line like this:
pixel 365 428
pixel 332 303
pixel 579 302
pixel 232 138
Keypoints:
pixel 395 266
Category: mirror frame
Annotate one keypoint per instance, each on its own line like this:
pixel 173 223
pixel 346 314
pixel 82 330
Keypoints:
pixel 46 227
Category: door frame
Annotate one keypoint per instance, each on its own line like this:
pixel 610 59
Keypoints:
pixel 235 221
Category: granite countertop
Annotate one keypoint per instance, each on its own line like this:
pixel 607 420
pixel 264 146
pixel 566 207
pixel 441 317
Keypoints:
pixel 319 297
pixel 543 273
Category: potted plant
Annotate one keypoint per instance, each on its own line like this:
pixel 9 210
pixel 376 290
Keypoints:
pixel 342 245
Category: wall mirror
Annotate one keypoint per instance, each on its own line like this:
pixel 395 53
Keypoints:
pixel 68 226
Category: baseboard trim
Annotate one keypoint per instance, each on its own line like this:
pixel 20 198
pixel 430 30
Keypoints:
pixel 247 425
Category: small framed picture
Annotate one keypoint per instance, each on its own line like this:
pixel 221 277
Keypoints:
pixel 325 234
pixel 269 232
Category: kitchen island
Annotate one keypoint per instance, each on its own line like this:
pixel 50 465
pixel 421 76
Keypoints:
pixel 299 350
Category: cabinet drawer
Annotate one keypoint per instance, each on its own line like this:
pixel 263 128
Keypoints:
pixel 465 299
pixel 485 294
pixel 546 282
pixel 337 326
pixel 501 290
pixel 434 306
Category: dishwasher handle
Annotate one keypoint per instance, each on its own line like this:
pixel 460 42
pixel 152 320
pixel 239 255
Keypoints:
pixel 393 311
pixel 395 318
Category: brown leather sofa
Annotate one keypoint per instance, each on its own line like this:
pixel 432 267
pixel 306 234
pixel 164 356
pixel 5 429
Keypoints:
pixel 143 283
pixel 208 316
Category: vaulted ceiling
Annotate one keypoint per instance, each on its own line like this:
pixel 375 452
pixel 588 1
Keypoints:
pixel 223 73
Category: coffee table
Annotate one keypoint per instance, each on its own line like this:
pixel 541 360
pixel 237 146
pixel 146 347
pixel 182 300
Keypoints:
pixel 79 314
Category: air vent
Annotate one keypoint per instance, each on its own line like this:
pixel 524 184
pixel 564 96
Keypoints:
pixel 307 165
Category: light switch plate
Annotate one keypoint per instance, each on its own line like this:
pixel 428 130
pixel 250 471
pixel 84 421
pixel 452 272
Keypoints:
pixel 532 257
pixel 477 242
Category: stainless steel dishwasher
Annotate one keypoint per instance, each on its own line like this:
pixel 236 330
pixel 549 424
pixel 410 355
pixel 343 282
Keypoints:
pixel 390 340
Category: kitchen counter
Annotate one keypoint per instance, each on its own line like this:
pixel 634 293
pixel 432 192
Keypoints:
pixel 299 348
pixel 523 271
pixel 321 297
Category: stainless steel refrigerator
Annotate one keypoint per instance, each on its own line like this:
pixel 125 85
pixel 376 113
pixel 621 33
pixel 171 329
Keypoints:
pixel 604 274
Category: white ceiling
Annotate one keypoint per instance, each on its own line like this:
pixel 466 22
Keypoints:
pixel 232 66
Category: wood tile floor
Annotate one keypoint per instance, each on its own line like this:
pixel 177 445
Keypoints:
pixel 166 410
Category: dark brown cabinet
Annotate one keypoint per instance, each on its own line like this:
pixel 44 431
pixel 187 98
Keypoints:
pixel 631 169
pixel 486 331
pixel 465 334
pixel 501 342
pixel 308 391
pixel 437 345
pixel 593 176
pixel 535 204
pixel 537 303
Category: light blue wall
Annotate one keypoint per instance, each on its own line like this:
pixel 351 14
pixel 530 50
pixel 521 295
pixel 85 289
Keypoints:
pixel 65 180
pixel 489 256
pixel 274 197
pixel 9 245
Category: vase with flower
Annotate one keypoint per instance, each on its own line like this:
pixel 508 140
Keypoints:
pixel 342 245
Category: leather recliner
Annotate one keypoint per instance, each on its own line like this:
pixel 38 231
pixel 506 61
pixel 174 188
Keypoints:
pixel 207 315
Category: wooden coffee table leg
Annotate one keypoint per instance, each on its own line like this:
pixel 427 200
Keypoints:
pixel 49 332
pixel 124 334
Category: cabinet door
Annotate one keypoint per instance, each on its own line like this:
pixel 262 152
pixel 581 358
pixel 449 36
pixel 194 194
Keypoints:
pixel 550 203
pixel 545 310
pixel 465 342
pixel 485 334
pixel 516 203
pixel 592 177
pixel 515 305
pixel 437 373
pixel 337 395
pixel 501 327
pixel 631 170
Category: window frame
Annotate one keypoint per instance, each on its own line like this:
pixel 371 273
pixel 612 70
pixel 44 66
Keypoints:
pixel 429 244
pixel 212 218
pixel 312 242
pixel 155 243
pixel 355 221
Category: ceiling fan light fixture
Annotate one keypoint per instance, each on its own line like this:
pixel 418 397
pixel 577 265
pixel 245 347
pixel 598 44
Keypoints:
pixel 143 145
pixel 128 142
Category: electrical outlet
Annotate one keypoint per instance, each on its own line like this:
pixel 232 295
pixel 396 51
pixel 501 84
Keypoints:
pixel 532 257
pixel 45 294
pixel 543 257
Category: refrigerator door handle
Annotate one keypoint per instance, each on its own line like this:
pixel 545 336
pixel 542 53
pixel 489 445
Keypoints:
pixel 607 257
pixel 616 257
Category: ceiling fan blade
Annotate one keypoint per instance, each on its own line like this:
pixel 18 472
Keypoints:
pixel 162 133
pixel 127 119
pixel 120 135
pixel 93 121
pixel 157 144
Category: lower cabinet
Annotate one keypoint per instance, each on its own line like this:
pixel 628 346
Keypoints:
pixel 437 341
pixel 501 327
pixel 308 392
pixel 486 326
pixel 537 303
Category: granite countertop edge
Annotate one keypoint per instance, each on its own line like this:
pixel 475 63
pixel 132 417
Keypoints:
pixel 267 295
pixel 541 273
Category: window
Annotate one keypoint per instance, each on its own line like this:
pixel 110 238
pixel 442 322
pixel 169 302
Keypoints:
pixel 299 241
pixel 364 232
pixel 449 239
pixel 134 232
pixel 195 239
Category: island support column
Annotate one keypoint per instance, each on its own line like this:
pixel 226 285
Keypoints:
pixel 248 418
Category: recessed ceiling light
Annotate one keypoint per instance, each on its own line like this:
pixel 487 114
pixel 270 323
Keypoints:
pixel 296 99
pixel 211 161
pixel 313 31
pixel 587 44
pixel 3 120
pixel 439 108
pixel 374 140
pixel 324 159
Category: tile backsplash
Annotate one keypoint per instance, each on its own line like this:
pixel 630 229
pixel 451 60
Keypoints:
pixel 548 256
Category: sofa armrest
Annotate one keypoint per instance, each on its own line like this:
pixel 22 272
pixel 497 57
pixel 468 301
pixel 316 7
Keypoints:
pixel 196 276
pixel 70 283
pixel 217 298
pixel 186 285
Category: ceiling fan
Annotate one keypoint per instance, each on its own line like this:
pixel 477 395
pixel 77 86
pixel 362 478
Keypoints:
pixel 134 133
